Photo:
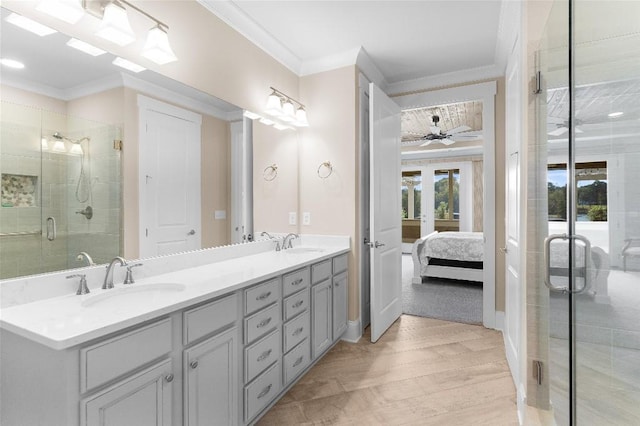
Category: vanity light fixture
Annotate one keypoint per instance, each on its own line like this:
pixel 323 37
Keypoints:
pixel 69 11
pixel 157 46
pixel 58 146
pixel 85 47
pixel 284 108
pixel 29 25
pixel 75 149
pixel 128 65
pixel 115 26
pixel 12 63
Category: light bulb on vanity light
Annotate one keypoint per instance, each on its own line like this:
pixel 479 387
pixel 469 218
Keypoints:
pixel 58 146
pixel 301 118
pixel 274 104
pixel 69 11
pixel 115 25
pixel 288 111
pixel 44 144
pixel 157 47
pixel 76 148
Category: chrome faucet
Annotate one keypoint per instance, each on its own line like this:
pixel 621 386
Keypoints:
pixel 263 233
pixel 85 256
pixel 82 286
pixel 288 238
pixel 108 278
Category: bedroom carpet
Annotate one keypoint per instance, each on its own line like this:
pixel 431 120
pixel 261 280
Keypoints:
pixel 450 300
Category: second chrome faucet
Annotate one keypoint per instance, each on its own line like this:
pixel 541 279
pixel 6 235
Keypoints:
pixel 108 278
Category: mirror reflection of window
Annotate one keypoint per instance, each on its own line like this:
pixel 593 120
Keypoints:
pixel 591 191
pixel 411 199
pixel 447 200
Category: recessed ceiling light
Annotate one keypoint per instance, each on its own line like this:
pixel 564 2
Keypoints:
pixel 29 25
pixel 128 65
pixel 11 63
pixel 85 47
pixel 616 114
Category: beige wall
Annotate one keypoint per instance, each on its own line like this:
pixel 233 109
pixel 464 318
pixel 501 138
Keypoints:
pixel 332 136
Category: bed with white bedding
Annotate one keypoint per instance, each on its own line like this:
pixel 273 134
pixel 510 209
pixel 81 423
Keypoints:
pixel 453 255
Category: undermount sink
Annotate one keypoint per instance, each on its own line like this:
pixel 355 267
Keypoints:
pixel 302 250
pixel 132 294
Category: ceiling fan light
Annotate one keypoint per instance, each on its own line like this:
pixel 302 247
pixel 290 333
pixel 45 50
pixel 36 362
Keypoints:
pixel 157 47
pixel 274 105
pixel 115 26
pixel 288 111
pixel 69 11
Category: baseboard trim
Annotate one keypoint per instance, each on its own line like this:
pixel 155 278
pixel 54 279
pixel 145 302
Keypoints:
pixel 499 321
pixel 354 332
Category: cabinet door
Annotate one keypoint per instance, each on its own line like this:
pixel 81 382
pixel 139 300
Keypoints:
pixel 144 399
pixel 340 283
pixel 211 381
pixel 321 324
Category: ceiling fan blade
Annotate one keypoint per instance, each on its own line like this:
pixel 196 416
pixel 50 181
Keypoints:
pixel 447 141
pixel 427 143
pixel 556 120
pixel 558 132
pixel 458 130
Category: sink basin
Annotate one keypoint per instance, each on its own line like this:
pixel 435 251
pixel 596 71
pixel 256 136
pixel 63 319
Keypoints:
pixel 133 294
pixel 303 250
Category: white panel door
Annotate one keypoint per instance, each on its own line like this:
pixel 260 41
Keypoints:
pixel 169 180
pixel 386 213
pixel 513 283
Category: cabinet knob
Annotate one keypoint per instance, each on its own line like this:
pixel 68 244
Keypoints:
pixel 194 364
pixel 169 378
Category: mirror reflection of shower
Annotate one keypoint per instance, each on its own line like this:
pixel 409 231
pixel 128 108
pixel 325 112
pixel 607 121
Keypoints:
pixel 83 191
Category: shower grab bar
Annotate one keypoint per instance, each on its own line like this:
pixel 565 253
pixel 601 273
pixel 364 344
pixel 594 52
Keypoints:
pixel 547 262
pixel 51 228
pixel 20 234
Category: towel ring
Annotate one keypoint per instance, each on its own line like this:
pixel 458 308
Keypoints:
pixel 270 172
pixel 325 174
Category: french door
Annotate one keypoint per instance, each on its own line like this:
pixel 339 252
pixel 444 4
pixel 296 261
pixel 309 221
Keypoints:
pixel 587 158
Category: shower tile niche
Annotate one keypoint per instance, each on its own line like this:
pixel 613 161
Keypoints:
pixel 19 190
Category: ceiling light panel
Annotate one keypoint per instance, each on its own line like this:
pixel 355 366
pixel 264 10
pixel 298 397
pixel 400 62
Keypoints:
pixel 29 25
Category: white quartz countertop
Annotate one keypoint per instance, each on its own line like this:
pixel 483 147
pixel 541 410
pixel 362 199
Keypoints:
pixel 67 321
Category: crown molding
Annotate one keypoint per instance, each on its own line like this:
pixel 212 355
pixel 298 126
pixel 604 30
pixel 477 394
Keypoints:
pixel 442 80
pixel 370 70
pixel 330 62
pixel 29 86
pixel 233 16
pixel 508 27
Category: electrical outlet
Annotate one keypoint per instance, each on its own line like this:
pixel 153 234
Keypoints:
pixel 293 218
pixel 220 214
pixel 306 218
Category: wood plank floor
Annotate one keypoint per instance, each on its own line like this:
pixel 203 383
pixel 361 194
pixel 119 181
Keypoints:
pixel 421 372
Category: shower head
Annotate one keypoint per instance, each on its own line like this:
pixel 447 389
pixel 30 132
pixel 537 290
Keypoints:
pixel 58 136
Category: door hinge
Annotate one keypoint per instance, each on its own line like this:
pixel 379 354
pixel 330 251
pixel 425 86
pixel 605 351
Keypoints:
pixel 537 87
pixel 117 144
pixel 146 232
pixel 537 371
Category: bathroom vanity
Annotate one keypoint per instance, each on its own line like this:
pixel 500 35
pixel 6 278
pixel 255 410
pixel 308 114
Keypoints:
pixel 213 344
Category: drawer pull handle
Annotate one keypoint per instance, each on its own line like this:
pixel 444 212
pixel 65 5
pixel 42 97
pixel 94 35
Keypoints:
pixel 297 282
pixel 264 355
pixel 298 361
pixel 298 331
pixel 264 296
pixel 169 378
pixel 264 322
pixel 194 364
pixel 265 391
pixel 298 304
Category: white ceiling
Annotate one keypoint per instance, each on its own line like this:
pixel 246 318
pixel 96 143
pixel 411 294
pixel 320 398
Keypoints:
pixel 406 40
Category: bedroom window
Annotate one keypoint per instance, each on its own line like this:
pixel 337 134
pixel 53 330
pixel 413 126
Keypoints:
pixel 447 199
pixel 591 191
pixel 411 199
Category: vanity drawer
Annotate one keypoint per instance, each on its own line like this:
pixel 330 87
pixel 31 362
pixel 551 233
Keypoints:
pixel 295 281
pixel 260 355
pixel 261 295
pixel 261 323
pixel 295 304
pixel 205 319
pixel 296 361
pixel 261 392
pixel 340 263
pixel 295 331
pixel 320 271
pixel 112 358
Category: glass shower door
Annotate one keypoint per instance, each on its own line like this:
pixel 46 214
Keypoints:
pixel 589 151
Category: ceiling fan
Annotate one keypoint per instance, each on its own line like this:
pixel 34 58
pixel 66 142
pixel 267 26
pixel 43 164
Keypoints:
pixel 561 126
pixel 446 138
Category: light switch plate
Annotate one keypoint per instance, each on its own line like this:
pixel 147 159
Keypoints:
pixel 306 218
pixel 293 218
pixel 220 214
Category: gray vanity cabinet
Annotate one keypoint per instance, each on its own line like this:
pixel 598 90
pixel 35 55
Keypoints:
pixel 211 381
pixel 321 327
pixel 339 290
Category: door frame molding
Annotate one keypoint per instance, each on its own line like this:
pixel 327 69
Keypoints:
pixel 145 105
pixel 484 92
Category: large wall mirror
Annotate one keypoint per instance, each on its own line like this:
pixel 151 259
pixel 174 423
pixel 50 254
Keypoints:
pixel 84 148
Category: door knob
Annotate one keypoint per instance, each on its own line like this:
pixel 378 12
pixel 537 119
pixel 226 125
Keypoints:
pixel 192 232
pixel 378 244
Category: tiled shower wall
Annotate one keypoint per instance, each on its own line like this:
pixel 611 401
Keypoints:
pixel 21 131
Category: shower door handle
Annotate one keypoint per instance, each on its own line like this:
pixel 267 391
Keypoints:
pixel 51 228
pixel 547 262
